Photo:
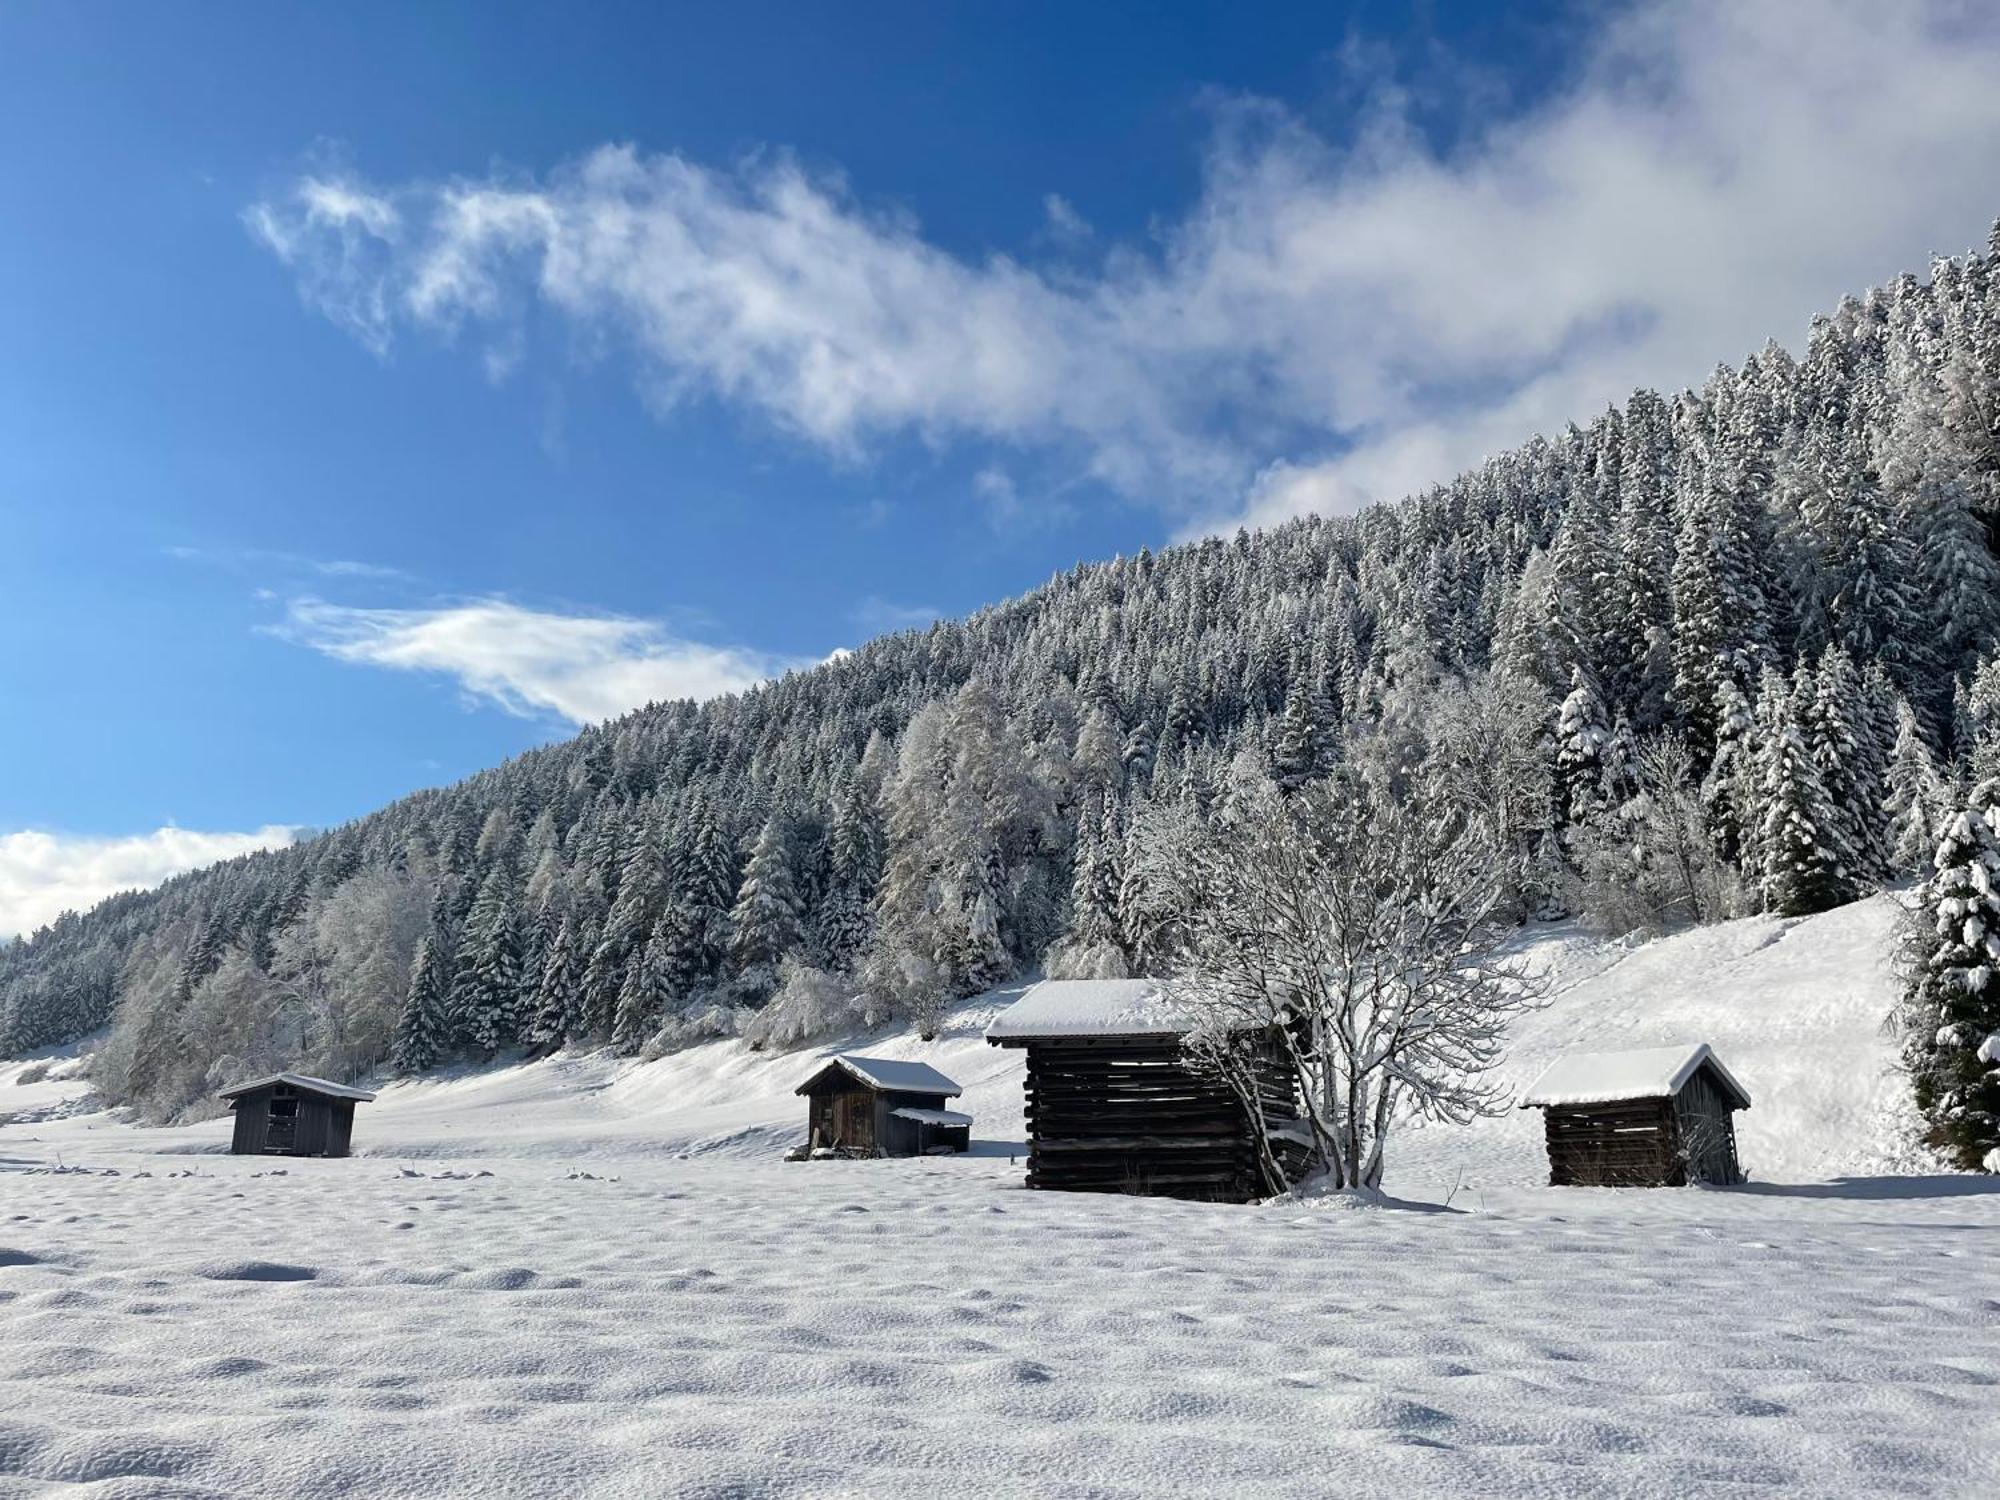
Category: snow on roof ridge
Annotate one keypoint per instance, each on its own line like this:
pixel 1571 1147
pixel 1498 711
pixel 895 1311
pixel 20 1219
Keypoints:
pixel 1632 1073
pixel 1089 1008
pixel 298 1081
pixel 890 1073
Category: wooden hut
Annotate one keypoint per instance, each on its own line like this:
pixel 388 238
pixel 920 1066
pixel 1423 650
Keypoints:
pixel 1113 1107
pixel 1658 1117
pixel 289 1114
pixel 877 1106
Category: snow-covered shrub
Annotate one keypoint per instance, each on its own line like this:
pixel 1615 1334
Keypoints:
pixel 703 1023
pixel 810 1003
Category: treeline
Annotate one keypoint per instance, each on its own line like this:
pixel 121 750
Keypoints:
pixel 1717 651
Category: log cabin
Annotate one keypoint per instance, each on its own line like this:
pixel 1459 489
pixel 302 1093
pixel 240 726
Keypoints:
pixel 879 1106
pixel 1655 1117
pixel 291 1114
pixel 1114 1107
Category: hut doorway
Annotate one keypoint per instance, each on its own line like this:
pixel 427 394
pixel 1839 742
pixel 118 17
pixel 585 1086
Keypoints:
pixel 854 1121
pixel 282 1128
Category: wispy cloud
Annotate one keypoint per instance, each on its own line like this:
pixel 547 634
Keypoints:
pixel 1327 325
pixel 578 667
pixel 269 558
pixel 43 875
pixel 877 615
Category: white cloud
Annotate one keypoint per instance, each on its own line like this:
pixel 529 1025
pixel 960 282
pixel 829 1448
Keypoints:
pixel 1326 326
pixel 582 668
pixel 43 875
pixel 267 558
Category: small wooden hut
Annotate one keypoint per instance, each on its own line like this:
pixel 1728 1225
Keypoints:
pixel 1657 1117
pixel 878 1106
pixel 289 1114
pixel 1113 1107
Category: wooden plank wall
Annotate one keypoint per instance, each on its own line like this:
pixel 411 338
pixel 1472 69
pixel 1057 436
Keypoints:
pixel 1126 1115
pixel 1631 1143
pixel 1707 1130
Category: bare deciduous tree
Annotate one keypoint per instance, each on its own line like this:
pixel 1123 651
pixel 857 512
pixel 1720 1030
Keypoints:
pixel 1359 930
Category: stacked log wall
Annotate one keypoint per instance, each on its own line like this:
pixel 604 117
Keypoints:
pixel 1128 1115
pixel 1627 1143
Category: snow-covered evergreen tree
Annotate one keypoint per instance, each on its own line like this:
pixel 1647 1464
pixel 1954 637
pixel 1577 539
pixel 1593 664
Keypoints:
pixel 1582 737
pixel 1802 869
pixel 558 1014
pixel 486 991
pixel 764 924
pixel 1952 1012
pixel 423 1034
pixel 1918 798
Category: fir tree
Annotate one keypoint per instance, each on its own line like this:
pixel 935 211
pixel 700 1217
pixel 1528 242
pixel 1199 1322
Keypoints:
pixel 423 1032
pixel 1851 767
pixel 558 1014
pixel 764 923
pixel 644 998
pixel 486 991
pixel 1917 798
pixel 1802 872
pixel 1581 741
pixel 1952 1011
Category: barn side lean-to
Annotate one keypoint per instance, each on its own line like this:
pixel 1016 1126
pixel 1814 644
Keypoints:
pixel 1655 1117
pixel 1114 1107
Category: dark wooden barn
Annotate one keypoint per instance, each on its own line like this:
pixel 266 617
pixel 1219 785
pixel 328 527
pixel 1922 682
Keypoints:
pixel 878 1106
pixel 1658 1117
pixel 1113 1107
pixel 289 1114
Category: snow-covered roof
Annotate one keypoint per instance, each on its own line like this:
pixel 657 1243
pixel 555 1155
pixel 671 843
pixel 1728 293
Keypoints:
pixel 933 1116
pixel 1088 1008
pixel 297 1081
pixel 1645 1073
pixel 889 1074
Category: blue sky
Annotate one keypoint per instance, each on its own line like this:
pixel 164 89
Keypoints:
pixel 386 389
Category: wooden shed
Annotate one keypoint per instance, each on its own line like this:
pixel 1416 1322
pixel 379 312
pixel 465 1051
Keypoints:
pixel 289 1114
pixel 878 1106
pixel 1657 1117
pixel 1114 1107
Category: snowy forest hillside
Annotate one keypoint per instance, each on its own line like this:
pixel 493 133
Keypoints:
pixel 1720 651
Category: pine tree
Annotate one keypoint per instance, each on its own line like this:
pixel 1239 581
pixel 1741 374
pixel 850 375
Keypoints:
pixel 1851 767
pixel 1721 596
pixel 1731 792
pixel 641 884
pixel 1581 741
pixel 486 991
pixel 1802 872
pixel 764 923
pixel 1302 754
pixel 558 998
pixel 423 1032
pixel 707 889
pixel 1952 1011
pixel 844 920
pixel 1917 798
pixel 644 998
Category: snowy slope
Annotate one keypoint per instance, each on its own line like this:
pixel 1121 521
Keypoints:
pixel 588 1278
pixel 1794 1008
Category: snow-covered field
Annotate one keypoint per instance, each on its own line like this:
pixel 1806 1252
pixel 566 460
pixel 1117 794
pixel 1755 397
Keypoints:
pixel 580 1277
